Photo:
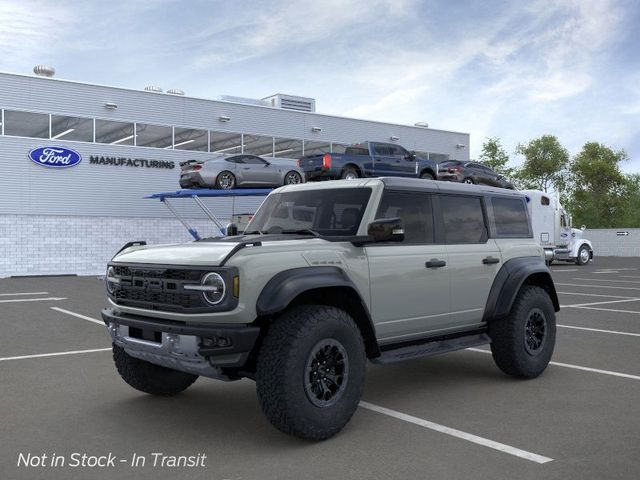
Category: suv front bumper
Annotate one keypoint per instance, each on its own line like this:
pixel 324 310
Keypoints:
pixel 198 349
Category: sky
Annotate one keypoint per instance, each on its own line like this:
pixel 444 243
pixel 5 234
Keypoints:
pixel 509 69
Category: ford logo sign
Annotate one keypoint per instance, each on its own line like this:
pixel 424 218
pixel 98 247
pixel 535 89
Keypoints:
pixel 55 157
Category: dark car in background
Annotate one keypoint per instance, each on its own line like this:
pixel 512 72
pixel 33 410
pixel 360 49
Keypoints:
pixel 226 172
pixel 368 159
pixel 473 173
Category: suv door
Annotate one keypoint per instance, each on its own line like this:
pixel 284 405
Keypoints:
pixel 473 258
pixel 409 281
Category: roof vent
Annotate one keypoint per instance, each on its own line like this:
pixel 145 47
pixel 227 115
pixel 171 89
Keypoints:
pixel 153 88
pixel 175 91
pixel 292 102
pixel 44 71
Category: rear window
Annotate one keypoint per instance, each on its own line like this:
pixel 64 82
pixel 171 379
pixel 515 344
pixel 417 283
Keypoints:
pixel 463 219
pixel 510 217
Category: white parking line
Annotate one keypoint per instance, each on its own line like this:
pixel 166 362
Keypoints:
pixel 591 294
pixel 457 433
pixel 597 303
pixel 576 367
pixel 597 286
pixel 603 280
pixel 73 314
pixel 609 310
pixel 614 332
pixel 23 293
pixel 48 299
pixel 56 354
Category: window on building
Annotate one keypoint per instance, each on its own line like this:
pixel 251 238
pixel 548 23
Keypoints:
pixel 316 148
pixel 463 219
pixel 157 136
pixel 225 143
pixel 437 157
pixel 287 148
pixel 258 145
pixel 26 124
pixel 71 128
pixel 510 215
pixel 115 133
pixel 190 139
pixel 414 209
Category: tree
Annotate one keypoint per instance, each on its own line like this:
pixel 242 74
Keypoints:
pixel 601 193
pixel 545 164
pixel 495 157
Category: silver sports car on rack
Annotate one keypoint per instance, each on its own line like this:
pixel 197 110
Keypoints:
pixel 243 170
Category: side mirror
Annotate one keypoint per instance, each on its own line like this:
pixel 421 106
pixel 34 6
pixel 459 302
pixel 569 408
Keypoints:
pixel 410 156
pixel 386 230
pixel 232 229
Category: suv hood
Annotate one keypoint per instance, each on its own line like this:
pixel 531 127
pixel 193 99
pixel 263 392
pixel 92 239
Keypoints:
pixel 197 253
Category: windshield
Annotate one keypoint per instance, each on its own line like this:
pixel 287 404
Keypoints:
pixel 327 212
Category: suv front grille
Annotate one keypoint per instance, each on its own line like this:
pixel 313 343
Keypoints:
pixel 162 288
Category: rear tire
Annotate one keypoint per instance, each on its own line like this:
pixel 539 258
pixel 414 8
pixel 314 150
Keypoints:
pixel 150 378
pixel 292 178
pixel 522 342
pixel 349 173
pixel 304 344
pixel 427 176
pixel 225 180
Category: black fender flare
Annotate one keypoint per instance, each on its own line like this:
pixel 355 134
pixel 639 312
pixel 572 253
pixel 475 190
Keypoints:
pixel 288 284
pixel 510 278
pixel 285 286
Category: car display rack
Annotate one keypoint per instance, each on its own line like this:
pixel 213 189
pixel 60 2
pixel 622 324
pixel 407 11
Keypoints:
pixel 197 194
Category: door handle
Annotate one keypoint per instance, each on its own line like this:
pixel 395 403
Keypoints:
pixel 490 260
pixel 435 263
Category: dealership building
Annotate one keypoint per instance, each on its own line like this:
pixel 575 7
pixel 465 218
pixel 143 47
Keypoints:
pixel 128 144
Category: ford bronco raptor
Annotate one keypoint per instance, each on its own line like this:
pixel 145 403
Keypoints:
pixel 325 277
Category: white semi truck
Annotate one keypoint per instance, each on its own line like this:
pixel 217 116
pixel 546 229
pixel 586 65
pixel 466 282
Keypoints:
pixel 552 229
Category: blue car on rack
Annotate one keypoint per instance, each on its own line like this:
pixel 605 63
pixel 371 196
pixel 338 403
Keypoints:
pixel 368 159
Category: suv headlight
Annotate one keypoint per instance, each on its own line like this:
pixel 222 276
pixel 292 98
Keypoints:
pixel 111 280
pixel 212 287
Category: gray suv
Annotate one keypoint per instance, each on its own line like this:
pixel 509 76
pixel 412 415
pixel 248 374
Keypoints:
pixel 327 276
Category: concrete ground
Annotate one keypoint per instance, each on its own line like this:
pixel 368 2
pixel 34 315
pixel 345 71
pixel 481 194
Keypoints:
pixel 447 417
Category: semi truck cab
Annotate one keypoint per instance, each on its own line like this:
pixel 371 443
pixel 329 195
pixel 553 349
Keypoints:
pixel 552 228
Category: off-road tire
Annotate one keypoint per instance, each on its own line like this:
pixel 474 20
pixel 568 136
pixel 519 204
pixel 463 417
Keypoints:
pixel 150 378
pixel 427 176
pixel 281 371
pixel 349 173
pixel 579 260
pixel 508 334
pixel 220 179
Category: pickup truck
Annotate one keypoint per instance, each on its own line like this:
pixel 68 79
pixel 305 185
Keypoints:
pixel 368 159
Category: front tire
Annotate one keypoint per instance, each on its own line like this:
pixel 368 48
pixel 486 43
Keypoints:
pixel 584 255
pixel 150 378
pixel 310 371
pixel 522 342
pixel 468 181
pixel 225 180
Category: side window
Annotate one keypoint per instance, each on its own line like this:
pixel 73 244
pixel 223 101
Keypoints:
pixel 251 160
pixel 463 219
pixel 414 209
pixel 234 160
pixel 398 151
pixel 382 150
pixel 510 215
pixel 544 200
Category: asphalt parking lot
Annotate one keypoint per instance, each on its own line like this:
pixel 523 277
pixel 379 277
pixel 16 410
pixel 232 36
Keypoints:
pixel 446 417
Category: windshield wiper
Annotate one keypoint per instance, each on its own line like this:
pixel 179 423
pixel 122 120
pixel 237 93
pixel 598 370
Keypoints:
pixel 302 231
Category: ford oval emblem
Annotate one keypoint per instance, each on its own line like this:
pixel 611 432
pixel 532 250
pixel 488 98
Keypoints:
pixel 564 235
pixel 55 157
